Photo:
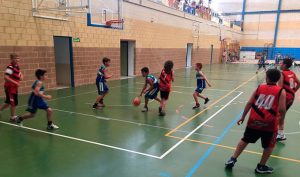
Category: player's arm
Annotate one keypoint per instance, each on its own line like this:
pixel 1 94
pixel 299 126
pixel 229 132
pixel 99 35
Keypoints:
pixel 7 74
pixel 21 76
pixel 282 105
pixel 151 85
pixel 205 78
pixel 37 92
pixel 106 76
pixel 280 82
pixel 298 84
pixel 247 108
pixel 144 88
pixel 172 76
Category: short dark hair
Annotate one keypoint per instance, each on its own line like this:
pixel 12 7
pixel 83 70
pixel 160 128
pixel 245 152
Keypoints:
pixel 39 73
pixel 273 75
pixel 14 56
pixel 145 70
pixel 168 66
pixel 288 62
pixel 199 65
pixel 105 60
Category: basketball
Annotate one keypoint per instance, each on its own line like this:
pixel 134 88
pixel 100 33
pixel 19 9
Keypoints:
pixel 136 101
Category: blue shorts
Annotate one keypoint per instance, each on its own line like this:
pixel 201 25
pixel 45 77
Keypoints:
pixel 101 87
pixel 199 89
pixel 36 102
pixel 151 94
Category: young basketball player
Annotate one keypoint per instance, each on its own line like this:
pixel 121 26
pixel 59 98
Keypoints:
pixel 262 62
pixel 290 83
pixel 266 105
pixel 165 80
pixel 36 100
pixel 102 87
pixel 151 92
pixel 12 77
pixel 201 85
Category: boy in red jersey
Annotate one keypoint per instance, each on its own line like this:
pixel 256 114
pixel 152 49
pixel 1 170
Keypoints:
pixel 166 78
pixel 290 83
pixel 267 104
pixel 12 77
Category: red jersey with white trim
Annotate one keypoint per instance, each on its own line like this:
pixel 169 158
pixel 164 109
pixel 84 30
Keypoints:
pixel 165 81
pixel 289 84
pixel 13 71
pixel 265 108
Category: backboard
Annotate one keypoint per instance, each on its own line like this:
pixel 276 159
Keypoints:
pixel 98 13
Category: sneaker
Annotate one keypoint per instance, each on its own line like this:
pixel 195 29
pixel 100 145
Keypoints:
pixel 263 169
pixel 52 127
pixel 196 106
pixel 95 106
pixel 230 163
pixel 12 119
pixel 145 109
pixel 162 113
pixel 101 103
pixel 280 137
pixel 19 120
pixel 159 109
pixel 206 100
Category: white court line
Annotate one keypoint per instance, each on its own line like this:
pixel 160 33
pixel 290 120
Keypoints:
pixel 130 122
pixel 295 111
pixel 187 136
pixel 292 133
pixel 70 112
pixel 179 86
pixel 81 140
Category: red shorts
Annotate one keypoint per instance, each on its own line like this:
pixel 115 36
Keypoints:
pixel 11 96
pixel 289 103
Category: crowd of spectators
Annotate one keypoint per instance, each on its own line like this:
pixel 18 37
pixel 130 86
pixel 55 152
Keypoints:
pixel 194 7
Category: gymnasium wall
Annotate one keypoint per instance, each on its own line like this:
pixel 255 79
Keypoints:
pixel 160 33
pixel 259 29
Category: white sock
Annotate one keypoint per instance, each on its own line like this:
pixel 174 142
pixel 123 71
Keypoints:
pixel 280 132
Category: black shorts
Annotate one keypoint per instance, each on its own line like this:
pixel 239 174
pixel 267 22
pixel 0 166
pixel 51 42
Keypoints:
pixel 268 139
pixel 164 95
pixel 11 98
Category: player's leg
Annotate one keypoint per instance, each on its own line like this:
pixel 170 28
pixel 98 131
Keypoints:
pixel 250 136
pixel 203 97
pixel 50 124
pixel 13 106
pixel 195 95
pixel 268 141
pixel 7 100
pixel 145 109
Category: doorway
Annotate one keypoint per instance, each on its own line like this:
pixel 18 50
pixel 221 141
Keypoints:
pixel 127 58
pixel 64 61
pixel 189 49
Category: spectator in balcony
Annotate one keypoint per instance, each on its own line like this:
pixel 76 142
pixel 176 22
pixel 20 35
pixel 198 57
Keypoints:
pixel 176 4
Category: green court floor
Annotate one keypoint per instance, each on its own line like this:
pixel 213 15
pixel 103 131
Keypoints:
pixel 121 141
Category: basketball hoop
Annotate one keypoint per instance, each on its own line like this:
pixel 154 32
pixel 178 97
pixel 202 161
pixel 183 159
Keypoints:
pixel 111 22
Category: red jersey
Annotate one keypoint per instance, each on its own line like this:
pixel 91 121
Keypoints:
pixel 289 84
pixel 265 108
pixel 13 71
pixel 165 81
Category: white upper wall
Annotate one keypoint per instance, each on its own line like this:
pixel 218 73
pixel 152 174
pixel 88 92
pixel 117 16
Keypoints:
pixel 261 5
pixel 290 4
pixel 155 13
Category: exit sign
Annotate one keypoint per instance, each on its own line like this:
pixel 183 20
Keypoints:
pixel 77 39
